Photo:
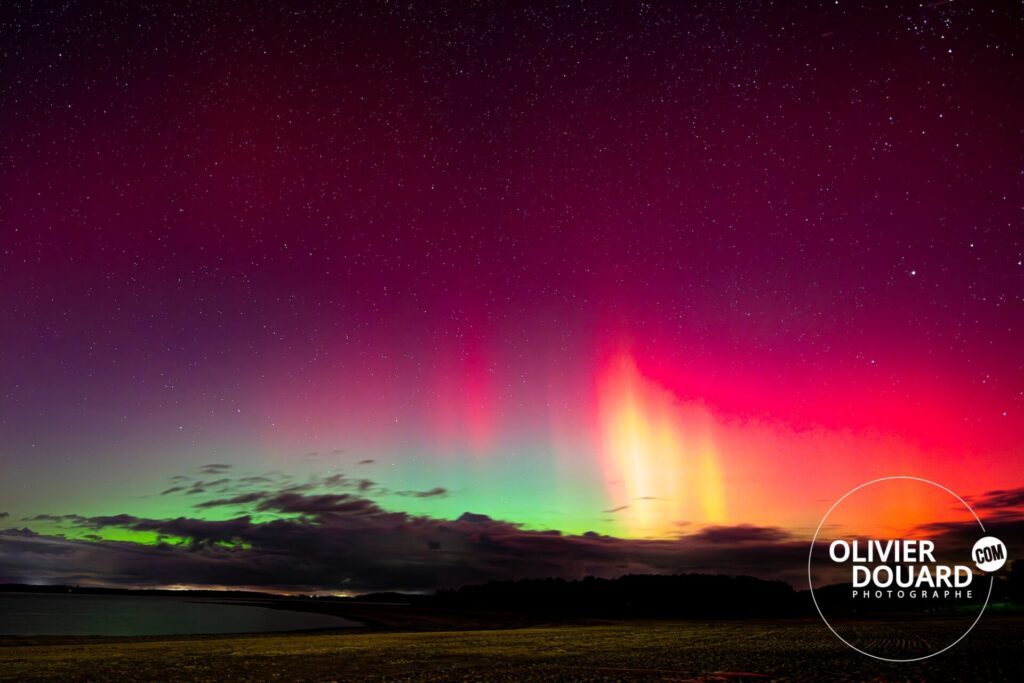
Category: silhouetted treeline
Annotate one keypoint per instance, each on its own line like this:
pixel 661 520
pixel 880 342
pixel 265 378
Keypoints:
pixel 633 596
pixel 685 595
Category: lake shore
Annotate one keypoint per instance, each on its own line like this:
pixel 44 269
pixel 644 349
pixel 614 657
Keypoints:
pixel 96 615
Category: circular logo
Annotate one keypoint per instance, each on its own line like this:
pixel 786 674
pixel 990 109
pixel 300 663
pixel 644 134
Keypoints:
pixel 989 554
pixel 893 568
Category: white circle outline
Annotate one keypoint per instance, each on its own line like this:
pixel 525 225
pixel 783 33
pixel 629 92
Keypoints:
pixel 810 583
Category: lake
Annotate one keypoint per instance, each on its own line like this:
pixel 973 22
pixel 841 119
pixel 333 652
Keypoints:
pixel 52 614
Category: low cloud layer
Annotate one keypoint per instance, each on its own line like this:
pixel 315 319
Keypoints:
pixel 287 535
pixel 999 499
pixel 344 542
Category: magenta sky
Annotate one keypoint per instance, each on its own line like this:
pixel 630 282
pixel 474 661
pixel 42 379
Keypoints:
pixel 638 270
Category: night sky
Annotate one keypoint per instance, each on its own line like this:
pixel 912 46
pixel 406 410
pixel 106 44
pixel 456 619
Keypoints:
pixel 416 294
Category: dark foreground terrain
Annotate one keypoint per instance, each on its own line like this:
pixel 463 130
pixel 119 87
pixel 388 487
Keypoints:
pixel 795 650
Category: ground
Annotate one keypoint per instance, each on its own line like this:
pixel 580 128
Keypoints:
pixel 680 651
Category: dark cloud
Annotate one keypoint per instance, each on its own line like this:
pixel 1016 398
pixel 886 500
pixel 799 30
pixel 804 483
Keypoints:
pixel 44 518
pixel 199 533
pixel 75 519
pixel 121 520
pixel 252 480
pixel 345 542
pixel 245 489
pixel 326 505
pixel 24 532
pixel 335 481
pixel 241 499
pixel 436 492
pixel 961 535
pixel 618 509
pixel 214 468
pixel 197 487
pixel 368 461
pixel 20 547
pixel 301 488
pixel 474 518
pixel 1000 498
pixel 742 533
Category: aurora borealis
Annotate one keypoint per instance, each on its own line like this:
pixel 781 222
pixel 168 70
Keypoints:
pixel 380 275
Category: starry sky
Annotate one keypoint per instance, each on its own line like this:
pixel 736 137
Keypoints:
pixel 644 278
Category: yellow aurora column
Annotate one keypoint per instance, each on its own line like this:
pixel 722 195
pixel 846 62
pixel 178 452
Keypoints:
pixel 658 461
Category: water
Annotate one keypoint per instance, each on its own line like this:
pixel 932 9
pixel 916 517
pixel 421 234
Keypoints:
pixel 25 614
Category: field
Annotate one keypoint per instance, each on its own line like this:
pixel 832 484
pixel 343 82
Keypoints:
pixel 680 651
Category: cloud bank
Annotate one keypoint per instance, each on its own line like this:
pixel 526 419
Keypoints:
pixel 347 543
pixel 293 538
